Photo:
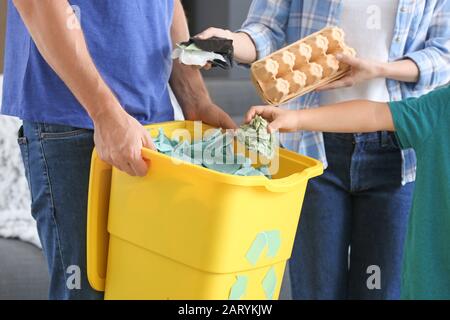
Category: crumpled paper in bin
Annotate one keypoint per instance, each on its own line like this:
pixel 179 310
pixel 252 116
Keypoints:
pixel 203 153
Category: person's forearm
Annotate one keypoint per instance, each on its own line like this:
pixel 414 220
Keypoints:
pixel 186 81
pixel 188 85
pixel 189 88
pixel 402 70
pixel 244 48
pixel 65 50
pixel 347 117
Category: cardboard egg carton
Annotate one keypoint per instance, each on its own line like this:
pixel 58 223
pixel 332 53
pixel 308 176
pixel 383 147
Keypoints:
pixel 301 67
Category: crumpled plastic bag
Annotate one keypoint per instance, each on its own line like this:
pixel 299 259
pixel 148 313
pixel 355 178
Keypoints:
pixel 199 52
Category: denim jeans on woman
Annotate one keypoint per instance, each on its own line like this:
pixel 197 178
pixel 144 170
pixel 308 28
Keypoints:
pixel 358 204
pixel 57 162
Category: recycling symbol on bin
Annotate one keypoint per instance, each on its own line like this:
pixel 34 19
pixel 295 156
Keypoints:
pixel 272 241
pixel 269 284
pixel 269 239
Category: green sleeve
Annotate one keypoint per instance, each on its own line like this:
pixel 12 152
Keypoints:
pixel 416 118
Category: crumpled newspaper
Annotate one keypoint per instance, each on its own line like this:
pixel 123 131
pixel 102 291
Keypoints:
pixel 256 137
pixel 199 52
pixel 215 151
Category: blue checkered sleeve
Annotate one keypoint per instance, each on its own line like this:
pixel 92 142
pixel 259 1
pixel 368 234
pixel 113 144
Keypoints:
pixel 433 60
pixel 266 25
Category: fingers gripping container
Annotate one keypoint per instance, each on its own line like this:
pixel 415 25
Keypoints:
pixel 301 67
pixel 186 232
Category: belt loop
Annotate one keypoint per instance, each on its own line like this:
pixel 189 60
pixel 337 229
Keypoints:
pixel 384 138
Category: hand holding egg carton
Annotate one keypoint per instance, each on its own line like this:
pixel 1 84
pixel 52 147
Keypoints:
pixel 302 66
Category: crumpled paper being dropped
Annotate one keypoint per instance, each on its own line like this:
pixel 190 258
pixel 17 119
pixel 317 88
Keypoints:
pixel 203 153
pixel 256 137
pixel 199 52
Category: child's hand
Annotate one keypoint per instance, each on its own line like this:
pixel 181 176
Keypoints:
pixel 279 119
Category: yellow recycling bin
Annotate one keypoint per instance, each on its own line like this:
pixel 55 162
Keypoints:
pixel 187 232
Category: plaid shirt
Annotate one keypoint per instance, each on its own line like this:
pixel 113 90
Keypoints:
pixel 422 33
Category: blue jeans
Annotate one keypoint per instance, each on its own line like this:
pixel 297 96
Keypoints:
pixel 57 164
pixel 359 203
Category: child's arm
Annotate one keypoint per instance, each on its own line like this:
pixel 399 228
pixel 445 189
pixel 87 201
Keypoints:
pixel 346 117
